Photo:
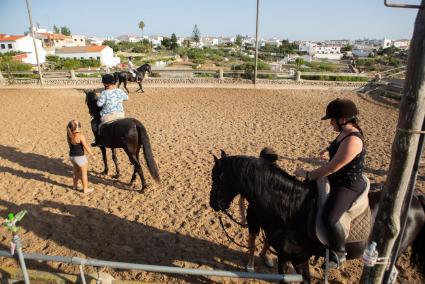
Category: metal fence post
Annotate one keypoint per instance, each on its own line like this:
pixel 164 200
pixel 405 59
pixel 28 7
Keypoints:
pixel 17 242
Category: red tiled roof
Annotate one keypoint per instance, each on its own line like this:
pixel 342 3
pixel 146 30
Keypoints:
pixel 81 49
pixel 20 56
pixel 4 37
pixel 53 36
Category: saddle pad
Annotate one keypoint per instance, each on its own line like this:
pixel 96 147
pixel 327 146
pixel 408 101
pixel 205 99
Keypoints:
pixel 360 205
pixel 360 227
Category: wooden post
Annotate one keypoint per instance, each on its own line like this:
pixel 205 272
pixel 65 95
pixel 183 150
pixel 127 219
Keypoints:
pixel 411 117
pixel 72 72
pixel 2 80
pixel 298 75
pixel 220 74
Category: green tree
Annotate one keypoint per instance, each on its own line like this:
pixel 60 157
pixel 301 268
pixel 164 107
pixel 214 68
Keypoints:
pixel 238 41
pixel 299 61
pixel 346 48
pixel 65 31
pixel 56 30
pixel 166 42
pixel 142 26
pixel 111 44
pixel 174 44
pixel 196 34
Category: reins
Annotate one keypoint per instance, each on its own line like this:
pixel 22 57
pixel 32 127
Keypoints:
pixel 234 220
pixel 227 235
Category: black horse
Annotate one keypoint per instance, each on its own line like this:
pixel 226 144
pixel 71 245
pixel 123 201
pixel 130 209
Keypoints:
pixel 286 208
pixel 128 134
pixel 124 76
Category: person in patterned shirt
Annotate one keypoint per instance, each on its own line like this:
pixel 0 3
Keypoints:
pixel 111 100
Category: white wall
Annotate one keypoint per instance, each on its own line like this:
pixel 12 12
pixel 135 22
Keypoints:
pixel 25 44
pixel 106 56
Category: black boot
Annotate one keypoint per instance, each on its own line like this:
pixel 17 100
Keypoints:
pixel 336 238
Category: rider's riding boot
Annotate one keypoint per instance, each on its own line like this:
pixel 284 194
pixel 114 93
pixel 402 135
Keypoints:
pixel 336 238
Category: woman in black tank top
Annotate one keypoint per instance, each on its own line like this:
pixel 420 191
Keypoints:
pixel 344 171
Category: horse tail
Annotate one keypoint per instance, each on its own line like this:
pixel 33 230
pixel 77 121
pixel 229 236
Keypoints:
pixel 418 247
pixel 147 152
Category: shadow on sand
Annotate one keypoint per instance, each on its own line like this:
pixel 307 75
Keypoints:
pixel 50 165
pixel 100 235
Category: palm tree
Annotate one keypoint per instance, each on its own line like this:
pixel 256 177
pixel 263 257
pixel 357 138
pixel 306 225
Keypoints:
pixel 142 26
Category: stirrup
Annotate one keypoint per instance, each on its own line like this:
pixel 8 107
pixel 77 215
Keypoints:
pixel 335 261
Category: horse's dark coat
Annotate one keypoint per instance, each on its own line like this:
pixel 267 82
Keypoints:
pixel 286 206
pixel 128 134
pixel 124 76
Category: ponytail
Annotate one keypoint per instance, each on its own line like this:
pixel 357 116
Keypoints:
pixel 70 128
pixel 355 122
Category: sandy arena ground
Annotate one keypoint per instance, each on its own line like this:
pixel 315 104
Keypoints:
pixel 170 223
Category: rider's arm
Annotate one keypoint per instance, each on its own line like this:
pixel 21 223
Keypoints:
pixel 124 95
pixel 101 100
pixel 347 151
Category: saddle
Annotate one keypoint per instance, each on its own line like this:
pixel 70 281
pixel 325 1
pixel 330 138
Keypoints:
pixel 108 119
pixel 356 221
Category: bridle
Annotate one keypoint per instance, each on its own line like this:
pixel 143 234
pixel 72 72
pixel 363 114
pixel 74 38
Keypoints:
pixel 234 220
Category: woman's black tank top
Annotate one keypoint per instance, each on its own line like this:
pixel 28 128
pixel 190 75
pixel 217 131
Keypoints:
pixel 351 173
pixel 76 150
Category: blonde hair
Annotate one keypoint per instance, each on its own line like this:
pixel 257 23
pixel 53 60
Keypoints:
pixel 72 127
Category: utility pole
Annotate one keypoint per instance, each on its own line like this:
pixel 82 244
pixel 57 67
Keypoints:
pixel 35 45
pixel 256 44
pixel 404 149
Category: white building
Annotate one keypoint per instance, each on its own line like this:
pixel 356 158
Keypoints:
pixel 23 43
pixel 129 38
pixel 401 43
pixel 100 52
pixel 328 51
pixel 340 42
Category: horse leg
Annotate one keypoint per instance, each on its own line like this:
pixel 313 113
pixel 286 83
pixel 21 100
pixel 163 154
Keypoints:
pixel 115 159
pixel 303 269
pixel 140 87
pixel 119 83
pixel 125 86
pixel 105 160
pixel 132 155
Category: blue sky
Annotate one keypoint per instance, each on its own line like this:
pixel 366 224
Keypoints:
pixel 299 19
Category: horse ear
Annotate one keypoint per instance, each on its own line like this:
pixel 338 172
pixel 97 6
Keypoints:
pixel 215 159
pixel 223 154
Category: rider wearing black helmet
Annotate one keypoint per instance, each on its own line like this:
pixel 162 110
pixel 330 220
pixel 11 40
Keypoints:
pixel 344 171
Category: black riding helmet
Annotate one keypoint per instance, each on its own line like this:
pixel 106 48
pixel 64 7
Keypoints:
pixel 341 108
pixel 108 79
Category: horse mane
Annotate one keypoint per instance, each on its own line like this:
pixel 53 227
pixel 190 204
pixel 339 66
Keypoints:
pixel 91 99
pixel 145 67
pixel 267 186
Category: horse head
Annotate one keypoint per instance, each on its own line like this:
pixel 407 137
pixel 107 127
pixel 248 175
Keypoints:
pixel 222 191
pixel 91 99
pixel 144 68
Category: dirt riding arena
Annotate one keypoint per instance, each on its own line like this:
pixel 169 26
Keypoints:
pixel 170 223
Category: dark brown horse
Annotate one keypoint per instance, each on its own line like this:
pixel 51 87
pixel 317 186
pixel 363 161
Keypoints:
pixel 286 208
pixel 128 134
pixel 124 76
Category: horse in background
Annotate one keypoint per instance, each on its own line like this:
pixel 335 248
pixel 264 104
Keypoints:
pixel 124 76
pixel 128 134
pixel 287 208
